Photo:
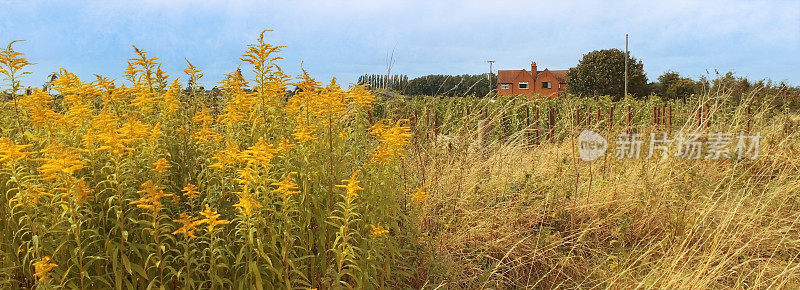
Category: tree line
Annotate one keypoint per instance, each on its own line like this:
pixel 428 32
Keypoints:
pixel 433 85
pixel 598 73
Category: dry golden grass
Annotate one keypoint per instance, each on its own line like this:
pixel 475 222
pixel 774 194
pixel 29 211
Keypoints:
pixel 507 215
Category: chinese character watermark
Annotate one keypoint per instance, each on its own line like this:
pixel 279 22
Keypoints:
pixel 711 146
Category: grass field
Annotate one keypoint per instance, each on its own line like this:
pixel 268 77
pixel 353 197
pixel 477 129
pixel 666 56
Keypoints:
pixel 149 182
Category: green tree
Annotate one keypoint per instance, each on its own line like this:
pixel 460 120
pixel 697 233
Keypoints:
pixel 667 79
pixel 671 85
pixel 451 86
pixel 602 72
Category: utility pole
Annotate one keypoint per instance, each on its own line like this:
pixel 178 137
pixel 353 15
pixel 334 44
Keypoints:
pixel 490 74
pixel 626 65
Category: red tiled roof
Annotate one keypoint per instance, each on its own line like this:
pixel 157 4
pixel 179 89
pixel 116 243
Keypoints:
pixel 561 75
pixel 508 76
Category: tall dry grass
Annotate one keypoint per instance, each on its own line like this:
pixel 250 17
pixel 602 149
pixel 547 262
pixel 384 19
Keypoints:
pixel 506 214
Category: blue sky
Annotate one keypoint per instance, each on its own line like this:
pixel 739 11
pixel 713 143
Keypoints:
pixel 757 39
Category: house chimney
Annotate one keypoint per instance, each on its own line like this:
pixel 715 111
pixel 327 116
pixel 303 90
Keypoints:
pixel 534 72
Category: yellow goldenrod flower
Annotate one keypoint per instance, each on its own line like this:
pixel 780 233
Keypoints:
pixel 303 99
pixel 11 153
pixel 246 175
pixel 330 101
pixel 260 153
pixel 59 160
pixel 12 64
pixel 170 102
pixel 419 196
pixel 361 96
pixel 351 185
pixel 133 131
pixel 156 132
pixel 287 186
pixel 31 195
pixel 259 54
pixel 151 196
pixel 145 100
pixel 206 135
pixel 43 267
pixel 68 84
pixel 247 201
pixel 393 140
pixel 378 231
pixel 211 219
pixel 226 157
pixel 302 133
pixel 161 165
pixel 193 72
pixel 285 145
pixel 190 190
pixel 382 154
pixel 238 107
pixel 188 226
pixel 202 117
pixel 77 115
pixel 234 83
pixel 112 142
pixel 37 105
pixel 82 190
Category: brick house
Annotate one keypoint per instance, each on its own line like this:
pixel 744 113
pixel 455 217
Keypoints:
pixel 545 83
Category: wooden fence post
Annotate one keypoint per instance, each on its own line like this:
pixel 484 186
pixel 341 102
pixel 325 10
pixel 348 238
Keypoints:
pixel 747 112
pixel 611 118
pixel 427 123
pixel 628 120
pixel 669 116
pixel 435 125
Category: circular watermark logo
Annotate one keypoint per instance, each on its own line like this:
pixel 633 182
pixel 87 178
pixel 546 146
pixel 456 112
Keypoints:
pixel 591 145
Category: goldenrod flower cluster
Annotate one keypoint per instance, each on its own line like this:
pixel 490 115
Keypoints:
pixel 351 185
pixel 394 137
pixel 11 153
pixel 188 226
pixel 102 175
pixel 211 219
pixel 43 267
pixel 151 196
pixel 378 231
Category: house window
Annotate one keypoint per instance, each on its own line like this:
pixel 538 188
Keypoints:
pixel 545 85
pixel 504 86
pixel 523 85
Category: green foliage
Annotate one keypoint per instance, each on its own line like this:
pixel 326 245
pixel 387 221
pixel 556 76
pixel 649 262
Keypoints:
pixel 393 82
pixel 602 72
pixel 672 86
pixel 450 86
